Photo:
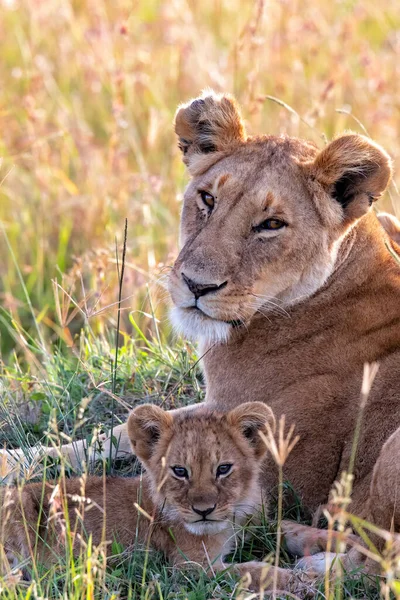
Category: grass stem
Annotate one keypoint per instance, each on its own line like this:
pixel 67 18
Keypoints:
pixel 115 366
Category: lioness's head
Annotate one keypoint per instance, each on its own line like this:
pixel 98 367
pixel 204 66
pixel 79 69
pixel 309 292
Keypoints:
pixel 203 465
pixel 263 217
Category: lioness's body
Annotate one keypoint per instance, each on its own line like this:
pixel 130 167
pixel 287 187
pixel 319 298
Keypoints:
pixel 290 284
pixel 308 364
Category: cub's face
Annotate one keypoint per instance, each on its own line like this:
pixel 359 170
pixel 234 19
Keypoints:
pixel 263 217
pixel 204 466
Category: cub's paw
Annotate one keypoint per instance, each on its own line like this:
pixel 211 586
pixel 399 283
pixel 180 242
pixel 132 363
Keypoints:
pixel 318 564
pixel 260 576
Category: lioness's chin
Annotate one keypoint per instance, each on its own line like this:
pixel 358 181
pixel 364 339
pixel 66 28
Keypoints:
pixel 206 527
pixel 196 326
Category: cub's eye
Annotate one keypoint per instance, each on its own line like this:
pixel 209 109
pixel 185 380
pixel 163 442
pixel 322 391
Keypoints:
pixel 224 469
pixel 180 472
pixel 270 225
pixel 207 199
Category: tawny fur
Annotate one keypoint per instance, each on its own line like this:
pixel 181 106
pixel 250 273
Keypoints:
pixel 299 310
pixel 317 299
pixel 33 518
pixel 391 225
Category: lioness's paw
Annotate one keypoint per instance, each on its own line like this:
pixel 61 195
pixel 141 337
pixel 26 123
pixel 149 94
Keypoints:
pixel 303 540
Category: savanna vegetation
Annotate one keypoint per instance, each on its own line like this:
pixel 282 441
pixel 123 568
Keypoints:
pixel 87 98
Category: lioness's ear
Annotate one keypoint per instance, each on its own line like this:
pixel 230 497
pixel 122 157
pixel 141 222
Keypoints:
pixel 251 418
pixel 354 170
pixel 207 124
pixel 146 423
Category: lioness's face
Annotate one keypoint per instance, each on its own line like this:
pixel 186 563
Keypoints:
pixel 262 219
pixel 204 466
pixel 252 240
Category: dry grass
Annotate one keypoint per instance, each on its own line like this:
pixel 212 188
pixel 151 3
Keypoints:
pixel 88 90
pixel 88 94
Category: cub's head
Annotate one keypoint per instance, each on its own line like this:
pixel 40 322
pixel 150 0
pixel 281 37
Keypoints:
pixel 263 217
pixel 203 465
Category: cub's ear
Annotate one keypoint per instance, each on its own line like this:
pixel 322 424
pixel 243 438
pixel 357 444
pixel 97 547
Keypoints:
pixel 251 418
pixel 208 124
pixel 355 172
pixel 146 424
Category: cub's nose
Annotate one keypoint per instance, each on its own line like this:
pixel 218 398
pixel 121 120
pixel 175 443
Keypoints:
pixel 204 512
pixel 201 289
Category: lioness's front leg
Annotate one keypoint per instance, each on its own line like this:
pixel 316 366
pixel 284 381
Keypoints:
pixel 19 462
pixel 303 540
pixel 25 463
pixel 317 548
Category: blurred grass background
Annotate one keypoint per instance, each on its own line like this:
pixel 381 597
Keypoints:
pixel 88 91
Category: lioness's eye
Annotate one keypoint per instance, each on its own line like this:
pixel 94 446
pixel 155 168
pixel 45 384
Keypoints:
pixel 207 199
pixel 270 225
pixel 180 472
pixel 224 469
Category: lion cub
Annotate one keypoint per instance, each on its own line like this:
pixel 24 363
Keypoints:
pixel 202 471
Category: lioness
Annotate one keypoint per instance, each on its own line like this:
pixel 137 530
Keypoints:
pixel 286 279
pixel 202 478
pixel 288 282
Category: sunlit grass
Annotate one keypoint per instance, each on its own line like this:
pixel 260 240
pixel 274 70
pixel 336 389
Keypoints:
pixel 88 94
pixel 87 98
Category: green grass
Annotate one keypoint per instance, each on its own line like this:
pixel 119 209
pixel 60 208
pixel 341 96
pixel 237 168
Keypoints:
pixel 71 397
pixel 87 97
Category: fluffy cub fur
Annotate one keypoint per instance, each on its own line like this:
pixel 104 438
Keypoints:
pixel 202 472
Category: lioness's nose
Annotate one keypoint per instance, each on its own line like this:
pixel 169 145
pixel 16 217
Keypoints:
pixel 201 289
pixel 204 512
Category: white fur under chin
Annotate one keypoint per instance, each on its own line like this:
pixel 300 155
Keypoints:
pixel 207 527
pixel 195 325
